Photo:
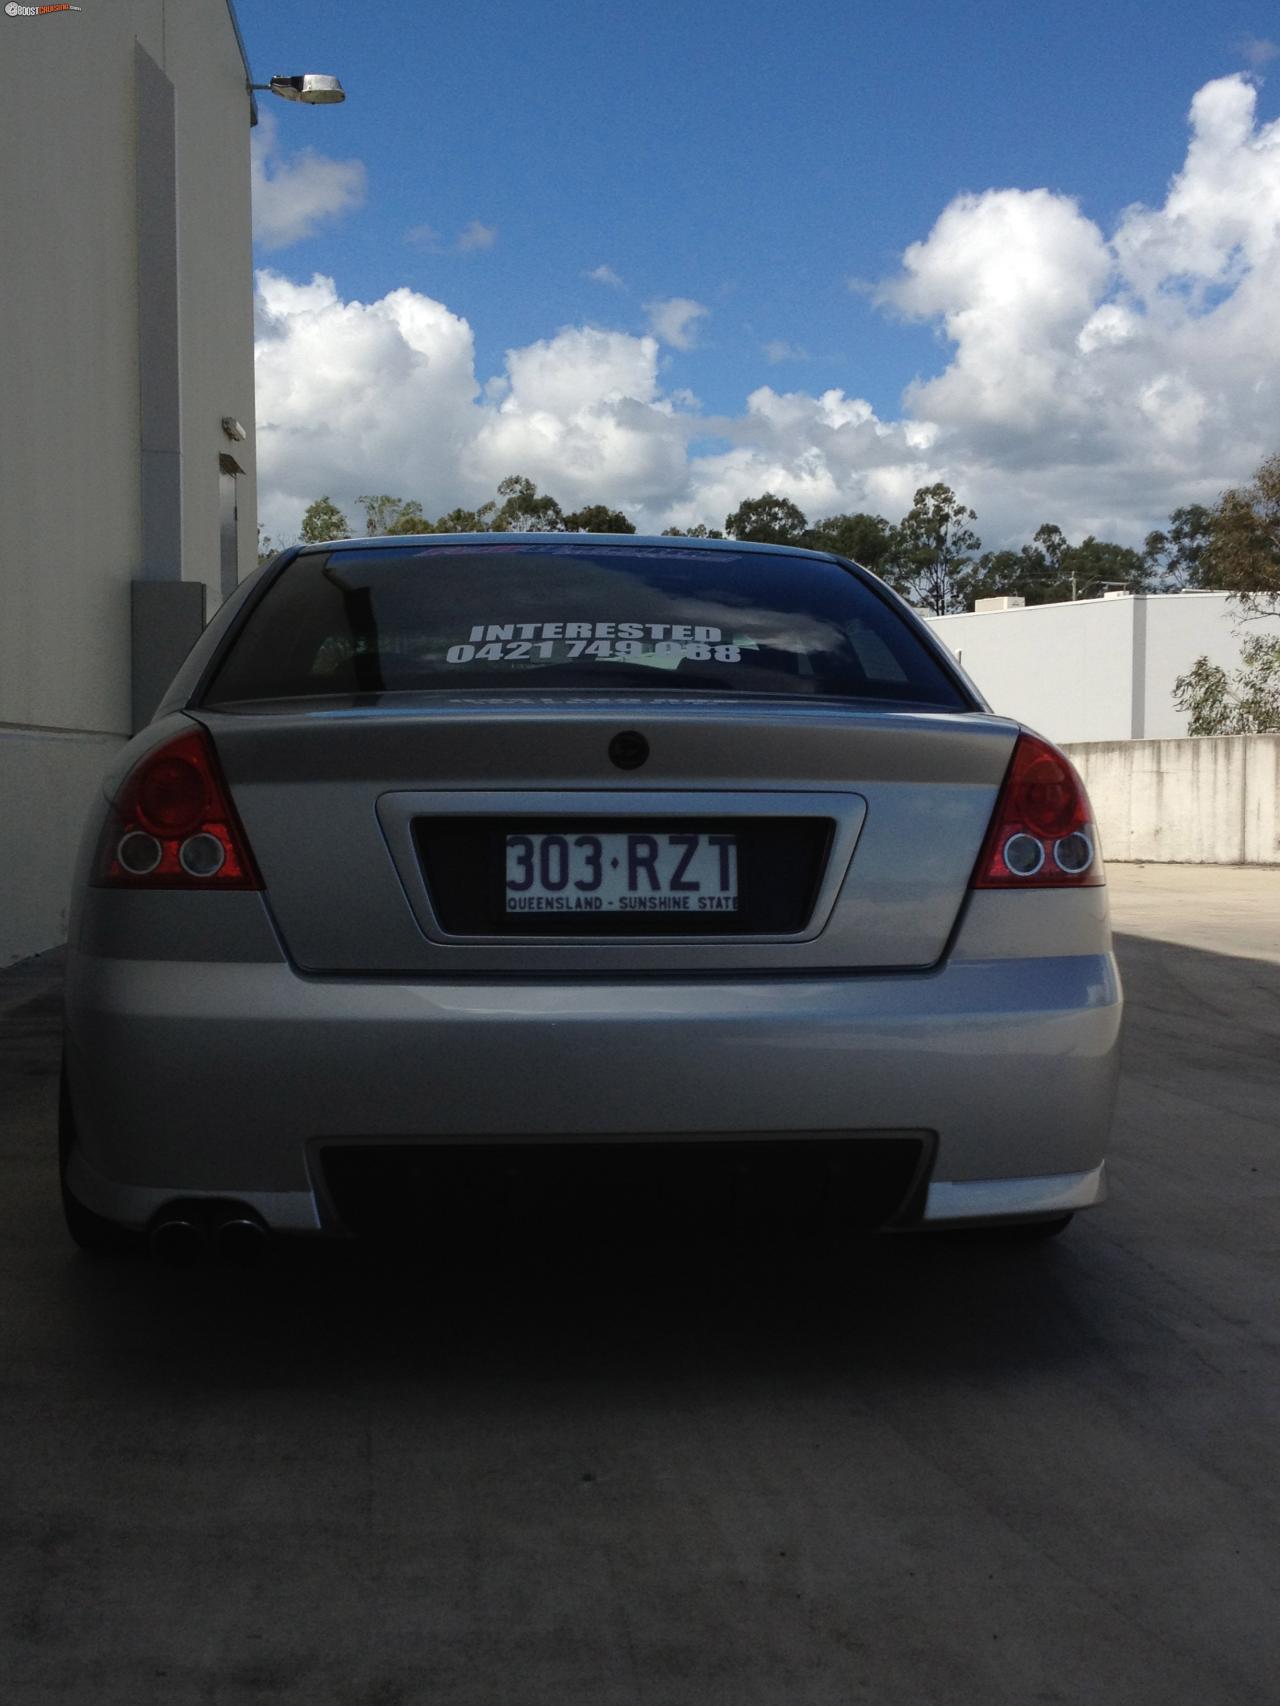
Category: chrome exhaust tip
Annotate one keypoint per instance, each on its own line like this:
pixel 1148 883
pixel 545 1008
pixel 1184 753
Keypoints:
pixel 240 1241
pixel 179 1242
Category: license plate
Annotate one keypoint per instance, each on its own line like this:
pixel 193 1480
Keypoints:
pixel 622 871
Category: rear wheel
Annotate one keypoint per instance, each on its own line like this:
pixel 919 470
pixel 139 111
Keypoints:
pixel 93 1233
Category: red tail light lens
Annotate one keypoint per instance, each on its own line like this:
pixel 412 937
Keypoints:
pixel 173 826
pixel 171 796
pixel 1042 833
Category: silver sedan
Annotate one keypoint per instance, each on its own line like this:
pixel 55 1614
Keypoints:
pixel 562 849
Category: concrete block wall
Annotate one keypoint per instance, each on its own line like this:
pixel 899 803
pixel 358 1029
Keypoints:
pixel 1209 800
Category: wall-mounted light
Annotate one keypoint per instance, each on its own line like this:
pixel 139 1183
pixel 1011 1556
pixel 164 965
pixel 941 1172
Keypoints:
pixel 234 431
pixel 311 88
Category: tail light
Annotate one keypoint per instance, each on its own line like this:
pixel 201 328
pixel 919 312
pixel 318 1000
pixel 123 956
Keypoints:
pixel 1042 833
pixel 172 825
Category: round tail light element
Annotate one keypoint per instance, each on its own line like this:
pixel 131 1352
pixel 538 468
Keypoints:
pixel 139 853
pixel 202 855
pixel 173 825
pixel 1042 833
pixel 1073 853
pixel 1023 854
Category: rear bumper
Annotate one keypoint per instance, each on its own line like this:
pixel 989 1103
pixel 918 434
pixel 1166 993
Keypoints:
pixel 192 1079
pixel 972 1201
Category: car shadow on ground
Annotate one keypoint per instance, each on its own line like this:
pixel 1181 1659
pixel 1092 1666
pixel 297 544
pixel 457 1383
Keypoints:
pixel 622 1302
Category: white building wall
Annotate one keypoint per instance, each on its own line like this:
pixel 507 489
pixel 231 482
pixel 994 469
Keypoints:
pixel 1099 670
pixel 70 456
pixel 1179 630
pixel 1064 669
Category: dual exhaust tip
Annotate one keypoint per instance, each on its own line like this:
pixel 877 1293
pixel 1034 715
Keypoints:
pixel 188 1234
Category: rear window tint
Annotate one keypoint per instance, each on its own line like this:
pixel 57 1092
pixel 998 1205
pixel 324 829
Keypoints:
pixel 554 617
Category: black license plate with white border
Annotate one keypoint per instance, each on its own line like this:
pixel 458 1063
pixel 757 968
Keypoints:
pixel 772 868
pixel 572 872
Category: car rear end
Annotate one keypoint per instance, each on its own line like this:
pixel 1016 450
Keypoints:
pixel 550 850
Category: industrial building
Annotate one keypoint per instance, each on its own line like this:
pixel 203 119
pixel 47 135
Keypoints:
pixel 1102 669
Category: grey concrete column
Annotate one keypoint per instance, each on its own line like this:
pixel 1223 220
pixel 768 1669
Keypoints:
pixel 159 355
pixel 1138 670
pixel 167 618
pixel 168 612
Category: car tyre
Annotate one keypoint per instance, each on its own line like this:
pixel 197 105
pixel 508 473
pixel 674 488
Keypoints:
pixel 93 1233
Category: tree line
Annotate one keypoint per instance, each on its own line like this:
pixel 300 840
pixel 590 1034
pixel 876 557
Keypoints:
pixel 933 555
pixel 518 508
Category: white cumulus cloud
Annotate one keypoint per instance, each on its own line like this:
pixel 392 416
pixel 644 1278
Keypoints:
pixel 605 275
pixel 356 397
pixel 1221 219
pixel 1105 378
pixel 1012 275
pixel 1093 377
pixel 293 193
pixel 582 414
pixel 674 320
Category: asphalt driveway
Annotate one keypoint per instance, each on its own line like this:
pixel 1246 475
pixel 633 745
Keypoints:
pixel 913 1471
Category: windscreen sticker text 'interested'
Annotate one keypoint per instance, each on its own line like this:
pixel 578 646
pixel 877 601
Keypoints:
pixel 548 642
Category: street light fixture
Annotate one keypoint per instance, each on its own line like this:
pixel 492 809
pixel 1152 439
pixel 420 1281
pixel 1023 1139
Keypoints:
pixel 313 89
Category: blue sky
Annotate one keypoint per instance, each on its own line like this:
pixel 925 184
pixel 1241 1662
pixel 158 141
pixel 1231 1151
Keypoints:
pixel 752 159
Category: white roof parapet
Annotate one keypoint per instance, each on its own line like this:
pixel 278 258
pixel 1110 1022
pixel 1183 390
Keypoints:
pixel 983 605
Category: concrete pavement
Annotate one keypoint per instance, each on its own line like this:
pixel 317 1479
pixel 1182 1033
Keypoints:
pixel 920 1471
pixel 1227 909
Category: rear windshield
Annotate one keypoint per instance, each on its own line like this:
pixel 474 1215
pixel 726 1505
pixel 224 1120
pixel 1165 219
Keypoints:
pixel 564 617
